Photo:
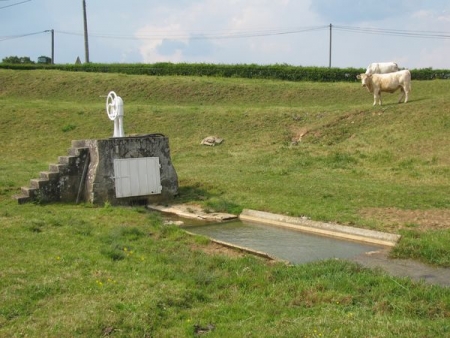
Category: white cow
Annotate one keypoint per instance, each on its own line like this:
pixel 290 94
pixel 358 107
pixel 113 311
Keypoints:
pixel 377 83
pixel 382 68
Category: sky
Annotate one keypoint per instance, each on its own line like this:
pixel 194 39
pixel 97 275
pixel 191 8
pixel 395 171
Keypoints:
pixel 413 33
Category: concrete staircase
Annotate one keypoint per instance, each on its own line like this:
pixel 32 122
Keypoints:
pixel 63 182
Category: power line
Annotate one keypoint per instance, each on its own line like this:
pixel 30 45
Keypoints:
pixel 10 37
pixel 395 32
pixel 202 36
pixel 271 32
pixel 256 33
pixel 249 34
pixel 14 4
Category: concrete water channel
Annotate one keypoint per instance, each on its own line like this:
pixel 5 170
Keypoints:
pixel 295 247
pixel 300 240
pixel 291 239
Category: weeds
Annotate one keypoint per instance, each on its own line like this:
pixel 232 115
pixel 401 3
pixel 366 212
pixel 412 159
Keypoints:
pixel 68 127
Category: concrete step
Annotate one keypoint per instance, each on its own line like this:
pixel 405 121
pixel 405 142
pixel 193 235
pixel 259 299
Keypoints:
pixel 67 165
pixel 56 168
pixel 49 175
pixel 76 151
pixel 68 160
pixel 38 183
pixel 78 144
pixel 29 192
pixel 21 199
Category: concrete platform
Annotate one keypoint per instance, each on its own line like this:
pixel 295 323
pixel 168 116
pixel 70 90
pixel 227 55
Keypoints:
pixel 320 228
pixel 192 212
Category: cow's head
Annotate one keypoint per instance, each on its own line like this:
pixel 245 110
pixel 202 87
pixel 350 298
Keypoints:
pixel 365 79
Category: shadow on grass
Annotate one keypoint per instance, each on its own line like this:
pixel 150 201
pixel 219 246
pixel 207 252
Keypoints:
pixel 396 103
pixel 213 201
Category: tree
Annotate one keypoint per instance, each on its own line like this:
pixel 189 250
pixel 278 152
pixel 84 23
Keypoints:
pixel 16 60
pixel 44 59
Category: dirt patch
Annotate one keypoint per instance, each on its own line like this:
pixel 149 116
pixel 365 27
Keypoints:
pixel 396 219
pixel 297 134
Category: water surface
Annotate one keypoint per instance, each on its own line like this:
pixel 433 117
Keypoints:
pixel 290 245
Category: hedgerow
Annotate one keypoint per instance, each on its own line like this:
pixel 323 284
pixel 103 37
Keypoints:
pixel 253 71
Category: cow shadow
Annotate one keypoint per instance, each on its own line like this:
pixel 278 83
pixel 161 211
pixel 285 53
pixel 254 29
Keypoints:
pixel 214 201
pixel 395 103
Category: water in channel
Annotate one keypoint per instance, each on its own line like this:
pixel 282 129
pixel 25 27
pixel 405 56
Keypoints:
pixel 290 245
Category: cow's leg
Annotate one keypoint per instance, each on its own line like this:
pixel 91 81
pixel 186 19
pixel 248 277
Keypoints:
pixel 376 97
pixel 402 95
pixel 406 95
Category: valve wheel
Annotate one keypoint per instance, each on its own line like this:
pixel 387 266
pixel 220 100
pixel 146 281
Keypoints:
pixel 112 105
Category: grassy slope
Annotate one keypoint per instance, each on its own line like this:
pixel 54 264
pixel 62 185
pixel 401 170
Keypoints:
pixel 77 270
pixel 353 157
pixel 354 163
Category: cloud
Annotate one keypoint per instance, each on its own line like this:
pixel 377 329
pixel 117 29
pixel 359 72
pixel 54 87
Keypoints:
pixel 232 31
pixel 169 47
pixel 194 47
pixel 173 44
pixel 149 46
pixel 213 29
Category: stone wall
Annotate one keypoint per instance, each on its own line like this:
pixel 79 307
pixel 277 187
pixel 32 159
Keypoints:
pixel 100 183
pixel 87 174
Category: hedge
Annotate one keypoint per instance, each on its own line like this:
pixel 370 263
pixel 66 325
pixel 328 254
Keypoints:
pixel 251 71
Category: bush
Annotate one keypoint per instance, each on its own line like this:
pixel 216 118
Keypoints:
pixel 18 60
pixel 251 71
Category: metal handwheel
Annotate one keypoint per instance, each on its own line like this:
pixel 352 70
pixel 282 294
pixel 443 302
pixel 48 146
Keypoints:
pixel 112 105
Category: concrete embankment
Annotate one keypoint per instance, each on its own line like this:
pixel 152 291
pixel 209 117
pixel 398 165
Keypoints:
pixel 320 228
pixel 375 259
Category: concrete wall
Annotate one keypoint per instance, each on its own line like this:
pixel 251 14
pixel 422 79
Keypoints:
pixel 87 173
pixel 99 184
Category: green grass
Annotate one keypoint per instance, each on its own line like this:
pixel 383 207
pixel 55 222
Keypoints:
pixel 75 270
pixel 314 149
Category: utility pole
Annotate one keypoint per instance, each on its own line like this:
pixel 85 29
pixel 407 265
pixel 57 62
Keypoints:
pixel 331 28
pixel 53 44
pixel 86 43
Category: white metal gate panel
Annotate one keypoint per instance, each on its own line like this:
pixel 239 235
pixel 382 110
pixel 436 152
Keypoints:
pixel 137 176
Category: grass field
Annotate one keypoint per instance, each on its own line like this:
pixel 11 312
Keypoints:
pixel 314 149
